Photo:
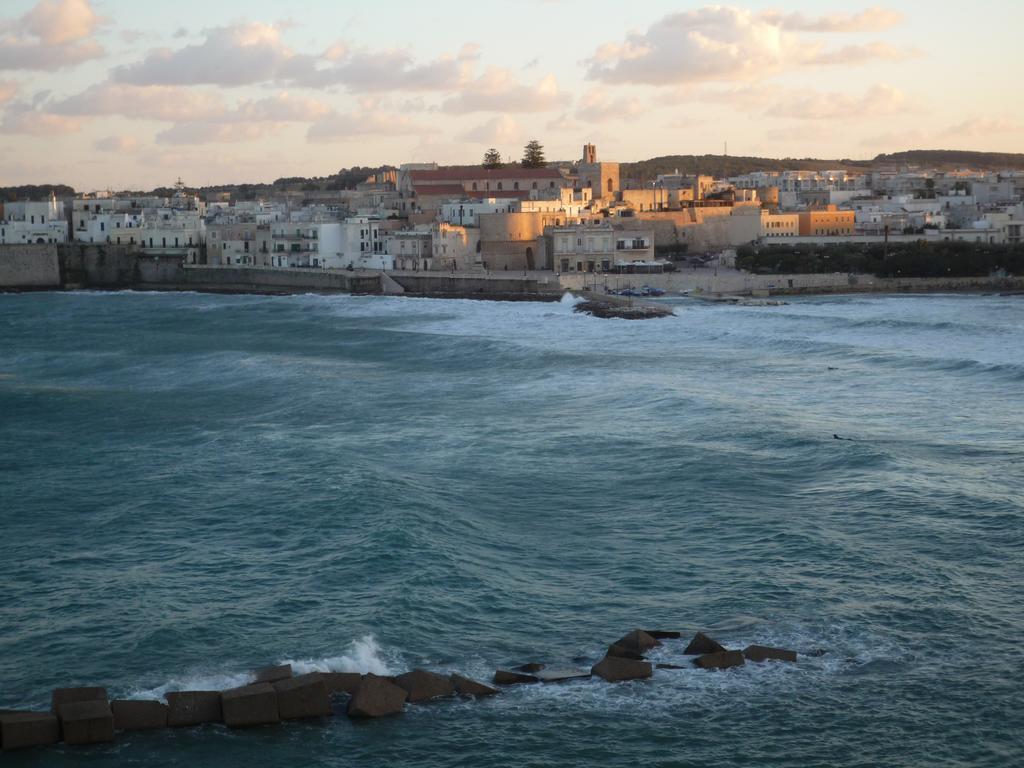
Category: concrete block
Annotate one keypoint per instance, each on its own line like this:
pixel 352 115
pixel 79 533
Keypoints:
pixel 720 660
pixel 250 705
pixel 342 682
pixel 612 669
pixel 759 653
pixel 422 685
pixel 560 675
pixel 135 715
pixel 377 697
pixel 273 674
pixel 87 722
pixel 702 644
pixel 63 696
pixel 467 686
pixel 302 696
pixel 508 677
pixel 185 708
pixel 28 729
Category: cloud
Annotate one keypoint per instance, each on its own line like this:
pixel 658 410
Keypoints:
pixel 254 52
pixel 981 127
pixel 53 35
pixel 858 54
pixel 597 106
pixel 717 43
pixel 363 122
pixel 35 121
pixel 241 54
pixel 119 144
pixel 497 90
pixel 365 71
pixel 878 101
pixel 60 22
pixel 872 19
pixel 167 103
pixel 216 132
pixel 499 130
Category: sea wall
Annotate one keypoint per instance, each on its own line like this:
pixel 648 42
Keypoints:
pixel 737 282
pixel 29 267
pixel 477 286
pixel 259 280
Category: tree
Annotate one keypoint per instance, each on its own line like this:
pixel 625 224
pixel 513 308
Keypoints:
pixel 533 155
pixel 492 158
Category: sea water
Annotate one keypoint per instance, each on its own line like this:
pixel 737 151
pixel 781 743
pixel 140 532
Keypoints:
pixel 192 486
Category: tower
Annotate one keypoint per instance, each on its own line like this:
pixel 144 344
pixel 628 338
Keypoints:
pixel 589 153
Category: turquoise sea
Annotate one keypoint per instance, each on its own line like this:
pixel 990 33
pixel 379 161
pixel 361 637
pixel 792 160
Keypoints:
pixel 192 486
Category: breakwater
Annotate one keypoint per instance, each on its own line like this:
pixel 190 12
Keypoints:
pixel 82 716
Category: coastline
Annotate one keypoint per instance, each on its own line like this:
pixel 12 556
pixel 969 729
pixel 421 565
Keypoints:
pixel 50 267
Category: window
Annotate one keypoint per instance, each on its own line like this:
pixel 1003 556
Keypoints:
pixel 515 186
pixel 499 186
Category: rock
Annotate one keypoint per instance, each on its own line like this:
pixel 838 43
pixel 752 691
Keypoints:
pixel 701 645
pixel 86 722
pixel 422 685
pixel 506 677
pixel 661 634
pixel 760 653
pixel 273 674
pixel 533 666
pixel 28 729
pixel 637 641
pixel 603 309
pixel 250 705
pixel 185 708
pixel 720 660
pixel 341 682
pixel 561 675
pixel 623 653
pixel 465 686
pixel 62 696
pixel 377 697
pixel 302 696
pixel 133 715
pixel 614 668
pixel 668 666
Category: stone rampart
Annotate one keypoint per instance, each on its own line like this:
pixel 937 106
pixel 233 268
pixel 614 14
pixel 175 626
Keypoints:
pixel 28 267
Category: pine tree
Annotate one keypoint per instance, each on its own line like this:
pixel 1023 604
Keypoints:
pixel 533 155
pixel 492 158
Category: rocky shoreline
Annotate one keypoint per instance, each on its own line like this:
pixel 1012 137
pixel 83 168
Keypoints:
pixel 85 715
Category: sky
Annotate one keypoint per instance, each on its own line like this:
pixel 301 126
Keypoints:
pixel 110 94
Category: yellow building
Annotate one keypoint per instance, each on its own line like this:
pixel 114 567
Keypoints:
pixel 829 222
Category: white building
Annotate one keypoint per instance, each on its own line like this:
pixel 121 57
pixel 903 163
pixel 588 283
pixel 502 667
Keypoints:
pixel 33 222
pixel 463 213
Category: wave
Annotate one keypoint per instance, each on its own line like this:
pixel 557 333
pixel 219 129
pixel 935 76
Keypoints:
pixel 363 655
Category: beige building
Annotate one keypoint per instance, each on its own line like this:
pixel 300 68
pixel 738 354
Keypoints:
pixel 509 240
pixel 455 248
pixel 601 178
pixel 779 224
pixel 598 246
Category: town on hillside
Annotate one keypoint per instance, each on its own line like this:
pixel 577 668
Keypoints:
pixel 533 215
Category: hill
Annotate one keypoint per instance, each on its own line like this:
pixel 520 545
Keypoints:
pixel 951 159
pixel 724 166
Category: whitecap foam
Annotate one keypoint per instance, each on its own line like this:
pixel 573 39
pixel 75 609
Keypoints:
pixel 364 655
